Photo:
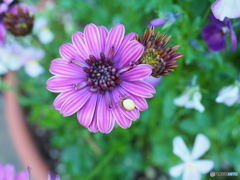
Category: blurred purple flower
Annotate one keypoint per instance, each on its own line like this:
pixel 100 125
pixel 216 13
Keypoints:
pixel 157 22
pixel 4 5
pixel 95 76
pixel 226 8
pixel 51 177
pixel 215 34
pixel 7 172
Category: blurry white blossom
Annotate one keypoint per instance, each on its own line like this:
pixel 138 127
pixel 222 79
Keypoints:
pixel 10 55
pixel 45 35
pixel 191 168
pixel 230 94
pixel 14 56
pixel 190 98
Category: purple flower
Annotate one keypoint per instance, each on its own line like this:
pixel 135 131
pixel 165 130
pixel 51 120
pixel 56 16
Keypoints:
pixel 157 22
pixel 226 8
pixel 98 78
pixel 7 172
pixel 51 177
pixel 215 34
pixel 4 5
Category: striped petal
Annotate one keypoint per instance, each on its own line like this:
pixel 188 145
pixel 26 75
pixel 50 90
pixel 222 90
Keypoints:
pixel 105 121
pixel 62 84
pixel 67 51
pixel 131 53
pixel 139 72
pixel 93 40
pixel 65 69
pixel 80 46
pixel 103 34
pixel 114 38
pixel 86 113
pixel 61 98
pixel 129 37
pixel 75 102
pixel 137 89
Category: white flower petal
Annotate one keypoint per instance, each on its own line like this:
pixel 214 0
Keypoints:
pixel 45 36
pixel 3 68
pixel 33 69
pixel 204 166
pixel 191 173
pixel 226 8
pixel 228 95
pixel 177 170
pixel 180 149
pixel 201 145
pixel 182 100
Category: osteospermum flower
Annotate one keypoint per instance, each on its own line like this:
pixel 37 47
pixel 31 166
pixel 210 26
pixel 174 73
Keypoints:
pixel 229 95
pixel 98 78
pixel 162 60
pixel 7 172
pixel 191 168
pixel 216 33
pixel 226 8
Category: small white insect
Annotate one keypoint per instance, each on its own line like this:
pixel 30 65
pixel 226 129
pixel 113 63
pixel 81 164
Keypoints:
pixel 127 103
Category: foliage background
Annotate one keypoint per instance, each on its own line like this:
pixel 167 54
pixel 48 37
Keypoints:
pixel 145 149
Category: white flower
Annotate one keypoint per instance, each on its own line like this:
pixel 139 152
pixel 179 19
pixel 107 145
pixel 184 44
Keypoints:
pixel 33 68
pixel 230 94
pixel 190 98
pixel 10 55
pixel 14 56
pixel 191 168
pixel 226 8
pixel 42 30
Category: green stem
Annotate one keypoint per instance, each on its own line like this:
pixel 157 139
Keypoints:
pixel 103 163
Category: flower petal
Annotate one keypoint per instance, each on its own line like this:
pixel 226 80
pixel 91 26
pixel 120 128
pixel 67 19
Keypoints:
pixel 191 173
pixel 228 95
pixel 129 37
pixel 105 121
pixel 114 38
pixel 137 89
pixel 93 40
pixel 139 72
pixel 130 56
pixel 204 166
pixel 103 34
pixel 177 170
pixel 93 126
pixel 61 98
pixel 152 80
pixel 23 175
pixel 75 102
pixel 63 68
pixel 233 35
pixel 67 51
pixel 86 113
pixel 2 34
pixel 201 145
pixel 157 22
pixel 80 46
pixel 9 171
pixel 226 8
pixel 61 84
pixel 180 149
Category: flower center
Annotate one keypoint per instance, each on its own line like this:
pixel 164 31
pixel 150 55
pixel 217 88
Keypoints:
pixel 102 75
